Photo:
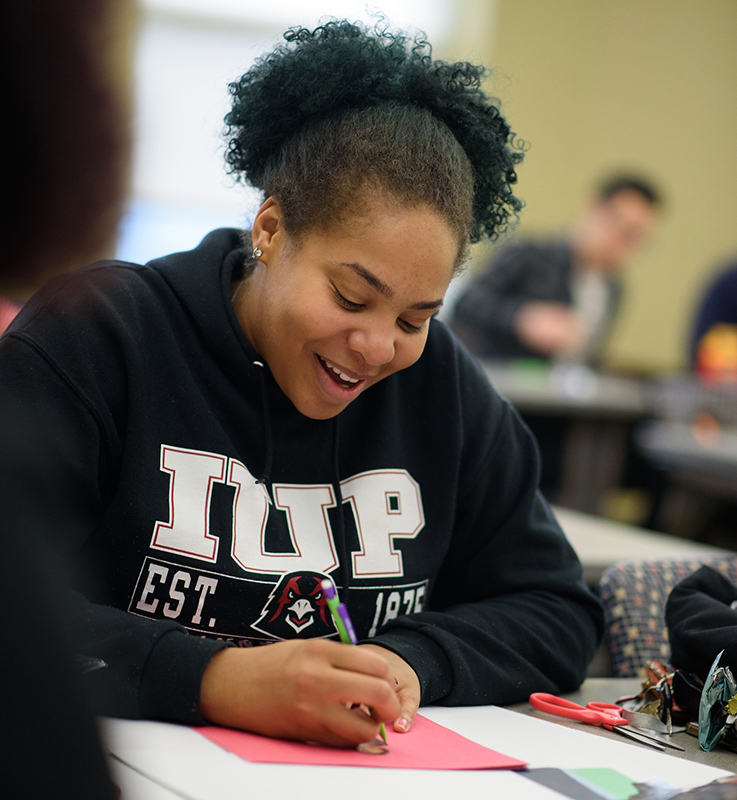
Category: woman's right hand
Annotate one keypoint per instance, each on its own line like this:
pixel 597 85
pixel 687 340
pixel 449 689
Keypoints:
pixel 300 689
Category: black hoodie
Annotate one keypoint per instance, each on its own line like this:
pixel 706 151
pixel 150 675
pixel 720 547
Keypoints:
pixel 210 508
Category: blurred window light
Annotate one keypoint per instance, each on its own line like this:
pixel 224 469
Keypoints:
pixel 434 17
pixel 188 53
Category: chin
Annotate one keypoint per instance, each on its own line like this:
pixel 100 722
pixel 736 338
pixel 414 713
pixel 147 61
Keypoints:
pixel 327 414
pixel 319 410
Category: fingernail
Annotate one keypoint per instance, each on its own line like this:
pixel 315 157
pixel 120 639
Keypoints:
pixel 402 723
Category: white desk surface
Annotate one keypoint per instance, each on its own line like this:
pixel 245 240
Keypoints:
pixel 600 542
pixel 157 761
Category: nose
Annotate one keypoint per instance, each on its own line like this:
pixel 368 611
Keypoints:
pixel 374 342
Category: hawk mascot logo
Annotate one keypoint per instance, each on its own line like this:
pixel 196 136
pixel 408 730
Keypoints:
pixel 296 608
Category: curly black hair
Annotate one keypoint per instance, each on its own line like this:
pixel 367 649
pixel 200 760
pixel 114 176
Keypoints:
pixel 342 108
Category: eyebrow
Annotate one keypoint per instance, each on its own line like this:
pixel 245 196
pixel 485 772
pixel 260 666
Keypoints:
pixel 387 291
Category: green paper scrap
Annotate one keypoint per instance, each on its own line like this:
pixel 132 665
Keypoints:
pixel 719 688
pixel 596 784
pixel 530 364
pixel 615 784
pixel 565 783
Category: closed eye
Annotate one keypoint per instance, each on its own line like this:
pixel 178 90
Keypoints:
pixel 345 302
pixel 410 328
pixel 351 306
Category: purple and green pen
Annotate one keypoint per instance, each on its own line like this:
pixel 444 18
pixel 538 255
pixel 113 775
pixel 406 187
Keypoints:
pixel 344 626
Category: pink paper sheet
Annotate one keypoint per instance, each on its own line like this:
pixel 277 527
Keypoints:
pixel 427 746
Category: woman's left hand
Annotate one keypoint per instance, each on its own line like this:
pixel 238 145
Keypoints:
pixel 407 687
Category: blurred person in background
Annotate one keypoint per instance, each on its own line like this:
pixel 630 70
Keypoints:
pixel 713 343
pixel 557 298
pixel 64 153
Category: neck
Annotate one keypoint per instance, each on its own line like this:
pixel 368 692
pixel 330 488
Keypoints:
pixel 243 295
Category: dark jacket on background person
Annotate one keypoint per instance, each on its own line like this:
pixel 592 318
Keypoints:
pixel 214 508
pixel 483 317
pixel 717 306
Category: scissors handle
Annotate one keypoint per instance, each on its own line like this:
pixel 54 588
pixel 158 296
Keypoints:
pixel 607 708
pixel 604 714
pixel 607 715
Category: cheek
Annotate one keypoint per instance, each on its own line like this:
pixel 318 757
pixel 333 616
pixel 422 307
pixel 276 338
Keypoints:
pixel 408 351
pixel 312 319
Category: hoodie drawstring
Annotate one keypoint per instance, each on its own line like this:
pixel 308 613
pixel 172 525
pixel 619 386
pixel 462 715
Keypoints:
pixel 266 472
pixel 343 555
pixel 265 479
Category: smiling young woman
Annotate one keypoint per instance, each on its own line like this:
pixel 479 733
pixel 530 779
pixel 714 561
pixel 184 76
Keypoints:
pixel 342 308
pixel 277 407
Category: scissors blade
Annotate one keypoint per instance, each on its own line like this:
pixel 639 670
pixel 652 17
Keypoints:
pixel 637 737
pixel 647 725
pixel 661 739
pixel 646 722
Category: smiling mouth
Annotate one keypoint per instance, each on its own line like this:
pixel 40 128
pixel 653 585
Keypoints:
pixel 343 380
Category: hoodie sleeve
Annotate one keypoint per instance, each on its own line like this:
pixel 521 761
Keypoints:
pixel 510 613
pixel 701 614
pixel 57 449
pixel 151 669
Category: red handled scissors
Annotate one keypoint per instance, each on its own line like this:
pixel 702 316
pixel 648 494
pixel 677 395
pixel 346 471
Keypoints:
pixel 606 715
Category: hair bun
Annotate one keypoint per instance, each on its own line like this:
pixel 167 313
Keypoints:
pixel 343 65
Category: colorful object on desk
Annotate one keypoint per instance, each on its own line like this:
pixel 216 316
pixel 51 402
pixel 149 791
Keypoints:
pixel 588 783
pixel 576 381
pixel 706 430
pixel 714 715
pixel 529 373
pixel 716 355
pixel 668 699
pixel 347 633
pixel 605 715
pixel 427 746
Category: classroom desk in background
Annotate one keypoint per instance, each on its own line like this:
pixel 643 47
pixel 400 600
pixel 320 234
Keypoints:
pixel 601 542
pixel 700 459
pixel 707 452
pixel 158 761
pixel 599 410
pixel 568 389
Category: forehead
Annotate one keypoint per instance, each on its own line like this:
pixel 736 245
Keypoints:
pixel 372 204
pixel 629 206
pixel 391 240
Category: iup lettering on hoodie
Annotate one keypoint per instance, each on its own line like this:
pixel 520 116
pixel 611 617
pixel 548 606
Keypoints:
pixel 385 504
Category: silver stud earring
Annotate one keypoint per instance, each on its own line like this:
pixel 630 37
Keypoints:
pixel 257 252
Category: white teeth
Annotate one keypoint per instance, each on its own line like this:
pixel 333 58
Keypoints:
pixel 342 375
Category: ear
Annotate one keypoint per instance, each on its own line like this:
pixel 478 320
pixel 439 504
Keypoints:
pixel 268 230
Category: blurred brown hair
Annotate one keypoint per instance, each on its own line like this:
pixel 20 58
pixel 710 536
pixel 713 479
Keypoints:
pixel 64 144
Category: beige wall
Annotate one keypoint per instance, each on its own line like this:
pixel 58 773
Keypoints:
pixel 644 84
